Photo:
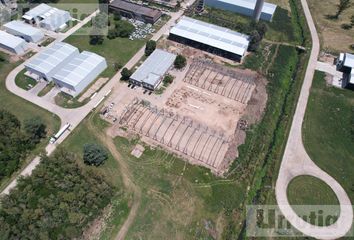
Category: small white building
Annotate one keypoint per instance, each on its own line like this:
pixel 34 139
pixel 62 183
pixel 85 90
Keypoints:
pixel 79 73
pixel 49 61
pixel 25 31
pixel 152 71
pixel 345 64
pixel 12 44
pixel 33 16
pixel 244 7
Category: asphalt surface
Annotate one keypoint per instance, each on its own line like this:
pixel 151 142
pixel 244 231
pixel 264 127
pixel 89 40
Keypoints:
pixel 296 161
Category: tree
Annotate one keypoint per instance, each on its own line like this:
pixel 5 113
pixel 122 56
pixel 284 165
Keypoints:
pixel 117 16
pixel 168 79
pixel 124 29
pixel 150 47
pixel 112 34
pixel 343 5
pixel 94 154
pixel 126 73
pixel 35 129
pixel 255 41
pixel 180 62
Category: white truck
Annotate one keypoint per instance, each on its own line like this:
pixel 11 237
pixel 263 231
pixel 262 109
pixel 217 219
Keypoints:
pixel 61 131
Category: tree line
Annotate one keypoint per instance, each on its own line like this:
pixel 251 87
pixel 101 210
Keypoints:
pixel 16 140
pixel 56 202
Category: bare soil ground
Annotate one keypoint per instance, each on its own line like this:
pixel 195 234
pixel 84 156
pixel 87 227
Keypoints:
pixel 198 115
pixel 333 37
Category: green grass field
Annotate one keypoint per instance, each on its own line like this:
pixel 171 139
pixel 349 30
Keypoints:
pixel 328 131
pixel 25 82
pixel 116 51
pixel 308 190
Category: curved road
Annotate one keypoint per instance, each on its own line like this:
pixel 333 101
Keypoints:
pixel 296 161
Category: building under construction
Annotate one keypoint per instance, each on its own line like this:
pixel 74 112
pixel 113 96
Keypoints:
pixel 135 11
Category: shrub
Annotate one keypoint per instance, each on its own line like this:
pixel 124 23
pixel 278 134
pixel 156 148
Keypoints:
pixel 168 79
pixel 94 154
pixel 126 73
pixel 351 46
pixel 124 29
pixel 180 62
pixel 346 26
pixel 150 47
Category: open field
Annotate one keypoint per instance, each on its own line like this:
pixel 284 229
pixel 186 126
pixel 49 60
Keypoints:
pixel 333 37
pixel 328 131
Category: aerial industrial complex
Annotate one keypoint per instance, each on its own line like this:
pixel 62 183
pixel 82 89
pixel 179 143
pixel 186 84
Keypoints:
pixel 194 108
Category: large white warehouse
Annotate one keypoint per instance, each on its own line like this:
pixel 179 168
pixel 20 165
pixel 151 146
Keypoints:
pixel 151 72
pixel 12 44
pixel 244 7
pixel 79 72
pixel 48 62
pixel 211 38
pixel 25 31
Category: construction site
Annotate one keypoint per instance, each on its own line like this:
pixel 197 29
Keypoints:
pixel 201 117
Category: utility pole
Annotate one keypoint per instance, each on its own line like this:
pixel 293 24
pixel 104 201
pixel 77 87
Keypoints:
pixel 258 10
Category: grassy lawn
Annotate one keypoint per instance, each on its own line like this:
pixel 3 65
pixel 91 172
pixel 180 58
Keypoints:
pixel 46 89
pixel 25 82
pixel 328 131
pixel 308 190
pixel 119 50
pixel 23 109
pixel 333 37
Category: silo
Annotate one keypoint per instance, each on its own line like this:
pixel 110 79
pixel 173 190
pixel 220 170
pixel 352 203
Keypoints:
pixel 258 10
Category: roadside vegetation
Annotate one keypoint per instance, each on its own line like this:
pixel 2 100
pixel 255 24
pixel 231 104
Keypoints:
pixel 328 131
pixel 46 89
pixel 23 110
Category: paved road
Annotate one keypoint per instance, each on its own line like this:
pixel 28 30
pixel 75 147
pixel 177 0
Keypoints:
pixel 296 161
pixel 74 116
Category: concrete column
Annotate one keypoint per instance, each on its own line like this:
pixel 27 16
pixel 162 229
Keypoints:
pixel 258 10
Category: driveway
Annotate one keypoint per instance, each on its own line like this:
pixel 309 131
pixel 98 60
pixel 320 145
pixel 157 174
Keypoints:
pixel 296 161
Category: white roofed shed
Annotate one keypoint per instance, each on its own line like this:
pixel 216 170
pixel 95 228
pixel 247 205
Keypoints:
pixel 79 72
pixel 46 63
pixel 12 44
pixel 25 31
pixel 151 72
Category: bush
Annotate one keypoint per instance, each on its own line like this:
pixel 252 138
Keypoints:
pixel 168 79
pixel 124 29
pixel 112 34
pixel 346 26
pixel 180 62
pixel 126 73
pixel 150 47
pixel 351 47
pixel 94 154
pixel 117 66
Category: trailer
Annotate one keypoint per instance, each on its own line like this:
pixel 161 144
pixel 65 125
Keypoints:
pixel 58 134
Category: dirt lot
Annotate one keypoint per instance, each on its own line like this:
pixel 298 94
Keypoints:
pixel 198 116
pixel 333 37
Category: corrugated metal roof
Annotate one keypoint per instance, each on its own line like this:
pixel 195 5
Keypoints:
pixel 268 8
pixel 79 68
pixel 212 35
pixel 11 41
pixel 55 18
pixel 349 60
pixel 25 30
pixel 136 8
pixel 38 10
pixel 49 58
pixel 154 67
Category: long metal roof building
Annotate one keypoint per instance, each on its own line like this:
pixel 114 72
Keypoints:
pixel 244 7
pixel 55 19
pixel 36 11
pixel 25 31
pixel 211 35
pixel 79 72
pixel 50 60
pixel 150 73
pixel 12 44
